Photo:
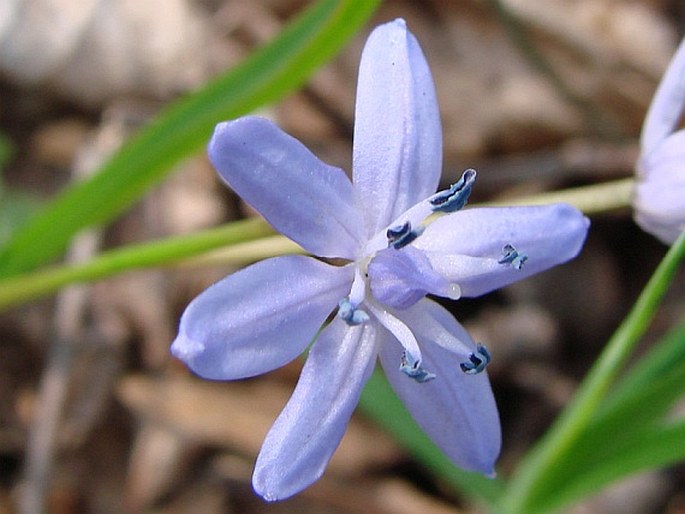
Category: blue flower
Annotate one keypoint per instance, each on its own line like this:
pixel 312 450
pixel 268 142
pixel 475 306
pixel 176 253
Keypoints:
pixel 387 258
pixel 659 200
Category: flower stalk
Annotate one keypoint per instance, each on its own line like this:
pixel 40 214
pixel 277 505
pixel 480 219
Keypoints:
pixel 244 241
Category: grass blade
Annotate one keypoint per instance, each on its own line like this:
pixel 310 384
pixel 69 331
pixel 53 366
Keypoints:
pixel 184 127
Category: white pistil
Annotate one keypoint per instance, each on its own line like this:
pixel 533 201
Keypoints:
pixel 358 290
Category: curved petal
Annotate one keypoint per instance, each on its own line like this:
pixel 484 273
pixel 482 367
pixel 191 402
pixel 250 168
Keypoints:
pixel 303 198
pixel 397 152
pixel 660 191
pixel 667 162
pixel 467 247
pixel 456 410
pixel 307 432
pixel 668 104
pixel 400 278
pixel 260 317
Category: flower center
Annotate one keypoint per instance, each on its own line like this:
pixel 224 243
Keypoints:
pixel 402 275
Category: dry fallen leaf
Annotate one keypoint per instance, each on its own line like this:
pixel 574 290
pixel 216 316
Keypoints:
pixel 237 415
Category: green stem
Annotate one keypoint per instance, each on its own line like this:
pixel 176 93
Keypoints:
pixel 21 288
pixel 591 199
pixel 202 247
pixel 529 480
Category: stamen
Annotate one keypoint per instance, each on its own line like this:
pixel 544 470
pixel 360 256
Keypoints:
pixel 349 312
pixel 456 197
pixel 414 370
pixel 401 235
pixel 477 361
pixel 398 329
pixel 513 256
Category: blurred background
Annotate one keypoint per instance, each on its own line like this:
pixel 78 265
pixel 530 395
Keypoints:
pixel 535 94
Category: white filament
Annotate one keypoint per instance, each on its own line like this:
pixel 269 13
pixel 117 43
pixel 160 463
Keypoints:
pixel 401 331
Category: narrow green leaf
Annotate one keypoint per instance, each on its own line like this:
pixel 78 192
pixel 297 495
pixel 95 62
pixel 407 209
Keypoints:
pixel 379 402
pixel 184 127
pixel 530 485
pixel 645 449
pixel 644 396
pixel 667 355
pixel 611 438
pixel 636 407
pixel 638 410
pixel 640 400
pixel 16 207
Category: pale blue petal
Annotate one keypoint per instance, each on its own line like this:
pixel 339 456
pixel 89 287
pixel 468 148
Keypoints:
pixel 260 317
pixel 660 190
pixel 456 410
pixel 397 155
pixel 303 198
pixel 668 104
pixel 400 278
pixel 466 247
pixel 307 432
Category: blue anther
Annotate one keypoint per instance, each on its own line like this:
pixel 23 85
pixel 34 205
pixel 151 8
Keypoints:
pixel 352 315
pixel 413 369
pixel 477 361
pixel 401 235
pixel 511 255
pixel 454 198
